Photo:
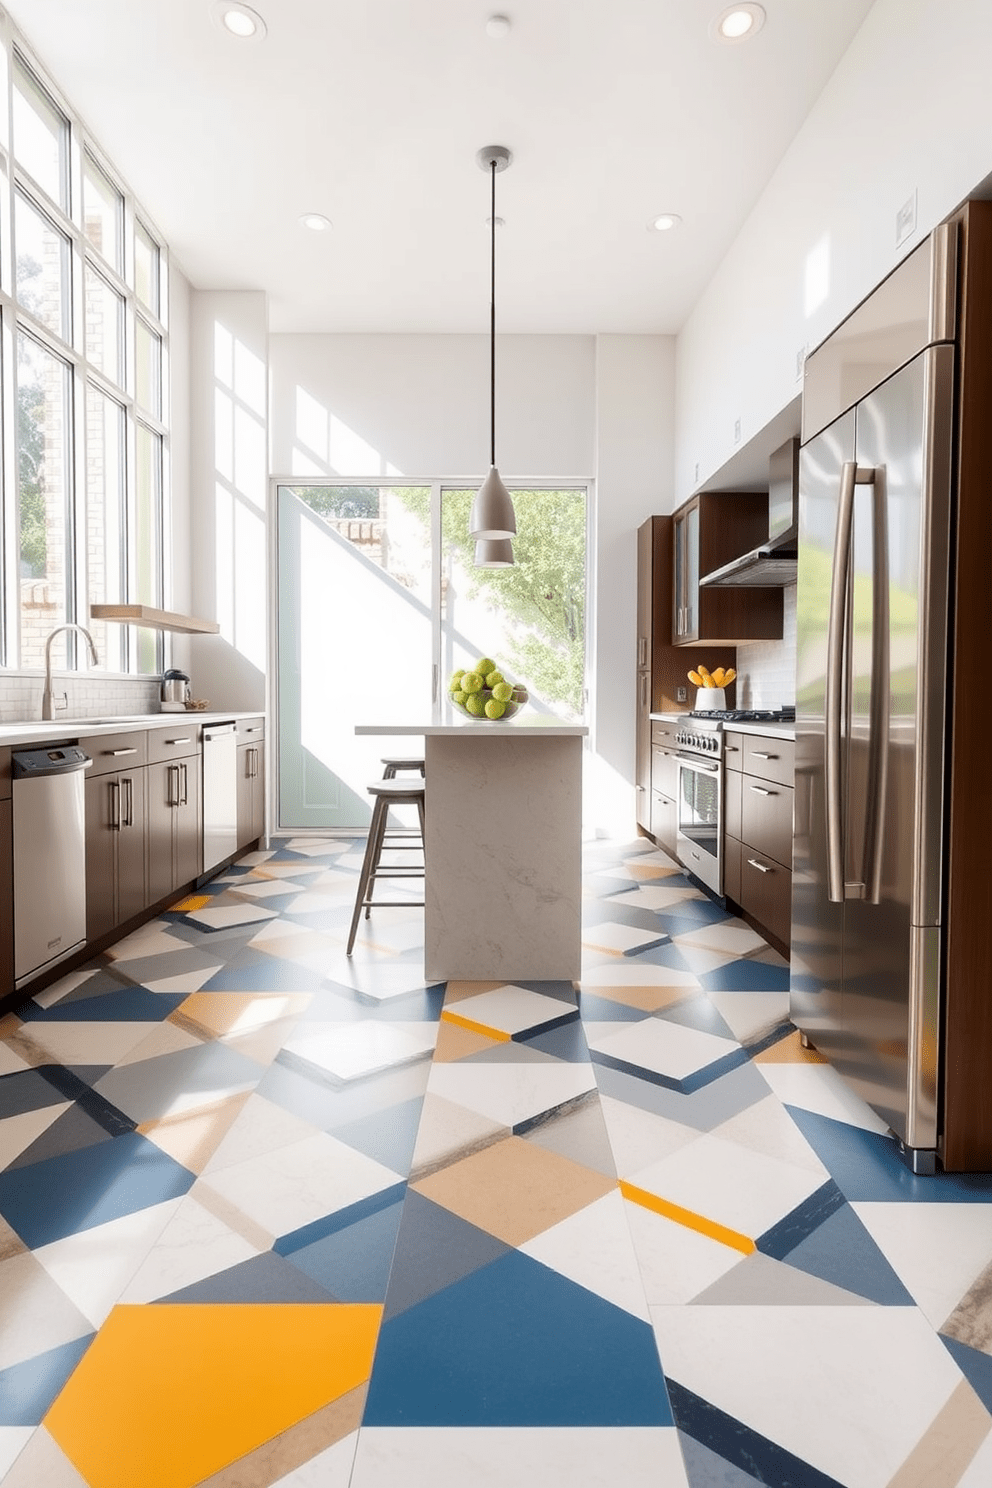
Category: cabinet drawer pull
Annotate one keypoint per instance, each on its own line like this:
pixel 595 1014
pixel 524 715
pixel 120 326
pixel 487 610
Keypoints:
pixel 761 867
pixel 128 785
pixel 116 753
pixel 115 806
pixel 759 790
pixel 758 755
pixel 178 741
pixel 256 730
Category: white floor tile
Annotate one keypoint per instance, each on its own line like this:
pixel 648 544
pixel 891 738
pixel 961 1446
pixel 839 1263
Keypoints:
pixel 593 1248
pixel 744 1190
pixel 819 1088
pixel 18 1132
pixel 351 1051
pixel 260 1127
pixel 95 1266
pixel 511 1009
pixel 750 1014
pixel 13 1440
pixel 617 938
pixel 848 1389
pixel 491 1457
pixel 731 936
pixel 193 1245
pixel 936 1250
pixel 89 1042
pixel 331 1469
pixel 639 1138
pixel 282 1191
pixel 631 973
pixel 766 1127
pixel 664 1048
pixel 676 1263
pixel 225 916
pixel 35 1314
pixel 510 1093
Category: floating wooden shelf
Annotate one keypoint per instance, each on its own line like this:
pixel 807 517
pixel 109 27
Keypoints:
pixel 139 614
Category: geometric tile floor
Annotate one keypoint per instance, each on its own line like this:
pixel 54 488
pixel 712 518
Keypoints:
pixel 271 1216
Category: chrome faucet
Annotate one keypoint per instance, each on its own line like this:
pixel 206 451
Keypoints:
pixel 52 702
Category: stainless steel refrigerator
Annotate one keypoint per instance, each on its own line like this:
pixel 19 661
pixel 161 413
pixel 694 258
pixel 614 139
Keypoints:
pixel 880 468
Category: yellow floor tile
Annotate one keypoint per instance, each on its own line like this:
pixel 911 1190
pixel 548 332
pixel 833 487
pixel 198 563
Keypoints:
pixel 169 1395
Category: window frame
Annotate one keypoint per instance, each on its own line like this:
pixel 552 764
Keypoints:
pixel 80 153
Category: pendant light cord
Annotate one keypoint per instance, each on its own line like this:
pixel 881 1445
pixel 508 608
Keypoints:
pixel 492 329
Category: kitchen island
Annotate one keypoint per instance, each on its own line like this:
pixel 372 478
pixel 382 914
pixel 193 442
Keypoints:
pixel 504 847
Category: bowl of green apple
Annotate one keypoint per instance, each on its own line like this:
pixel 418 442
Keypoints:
pixel 482 693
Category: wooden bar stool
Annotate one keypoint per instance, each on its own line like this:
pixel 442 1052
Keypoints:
pixel 387 793
pixel 394 763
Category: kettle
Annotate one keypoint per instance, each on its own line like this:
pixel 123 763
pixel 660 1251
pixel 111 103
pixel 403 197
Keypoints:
pixel 176 691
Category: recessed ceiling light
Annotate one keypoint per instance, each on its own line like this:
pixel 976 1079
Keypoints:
pixel 316 221
pixel 738 22
pixel 238 20
pixel 665 222
pixel 497 25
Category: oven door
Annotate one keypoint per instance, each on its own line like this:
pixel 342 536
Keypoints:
pixel 699 841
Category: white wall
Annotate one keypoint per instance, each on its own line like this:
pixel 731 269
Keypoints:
pixel 418 406
pixel 635 388
pixel 909 108
pixel 228 489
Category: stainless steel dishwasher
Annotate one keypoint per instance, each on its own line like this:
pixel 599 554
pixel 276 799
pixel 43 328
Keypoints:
pixel 49 857
pixel 220 794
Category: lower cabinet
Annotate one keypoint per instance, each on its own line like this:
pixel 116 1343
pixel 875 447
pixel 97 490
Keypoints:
pixel 757 846
pixel 251 781
pixel 664 786
pixel 174 833
pixel 116 881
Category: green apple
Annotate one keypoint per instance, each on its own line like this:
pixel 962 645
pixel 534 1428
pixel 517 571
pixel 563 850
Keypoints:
pixel 471 682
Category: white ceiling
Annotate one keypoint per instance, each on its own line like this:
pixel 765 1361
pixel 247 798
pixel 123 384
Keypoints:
pixel 371 112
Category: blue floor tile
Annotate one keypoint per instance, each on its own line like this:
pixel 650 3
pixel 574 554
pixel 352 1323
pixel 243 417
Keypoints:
pixel 515 1344
pixel 353 1264
pixel 747 1452
pixel 266 1278
pixel 28 1389
pixel 435 1248
pixel 746 976
pixel 132 1004
pixel 974 1365
pixel 866 1166
pixel 841 1251
pixel 94 1185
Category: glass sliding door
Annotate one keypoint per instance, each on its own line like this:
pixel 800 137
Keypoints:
pixel 355 644
pixel 379 601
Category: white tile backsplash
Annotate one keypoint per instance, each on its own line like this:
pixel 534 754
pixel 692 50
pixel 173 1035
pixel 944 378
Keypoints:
pixel 88 696
pixel 766 670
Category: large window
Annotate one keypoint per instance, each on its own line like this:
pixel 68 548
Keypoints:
pixel 83 346
pixel 379 600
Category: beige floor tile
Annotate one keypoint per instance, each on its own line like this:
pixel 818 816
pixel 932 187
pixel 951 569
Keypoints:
pixel 515 1190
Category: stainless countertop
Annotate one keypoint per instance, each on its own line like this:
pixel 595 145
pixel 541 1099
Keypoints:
pixel 44 732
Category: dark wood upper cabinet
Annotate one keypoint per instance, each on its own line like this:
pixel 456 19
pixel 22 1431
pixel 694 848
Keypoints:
pixel 707 532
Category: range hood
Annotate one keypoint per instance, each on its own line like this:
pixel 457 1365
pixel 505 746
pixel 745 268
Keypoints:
pixel 773 565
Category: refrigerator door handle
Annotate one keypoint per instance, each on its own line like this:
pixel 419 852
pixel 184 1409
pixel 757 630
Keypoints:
pixel 879 706
pixel 838 890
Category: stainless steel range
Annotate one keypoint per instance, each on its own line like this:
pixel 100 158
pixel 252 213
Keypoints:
pixel 699 834
pixel 699 828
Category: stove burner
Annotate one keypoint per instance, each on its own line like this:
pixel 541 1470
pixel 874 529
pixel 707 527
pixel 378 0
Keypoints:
pixel 747 715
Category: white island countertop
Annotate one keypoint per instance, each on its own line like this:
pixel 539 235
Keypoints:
pixel 524 725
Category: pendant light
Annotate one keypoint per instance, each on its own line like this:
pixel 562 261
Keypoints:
pixel 494 552
pixel 492 519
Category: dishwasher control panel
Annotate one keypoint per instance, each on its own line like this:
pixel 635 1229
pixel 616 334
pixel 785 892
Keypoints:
pixel 29 762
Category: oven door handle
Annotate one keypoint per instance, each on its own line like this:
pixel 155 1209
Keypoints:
pixel 710 766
